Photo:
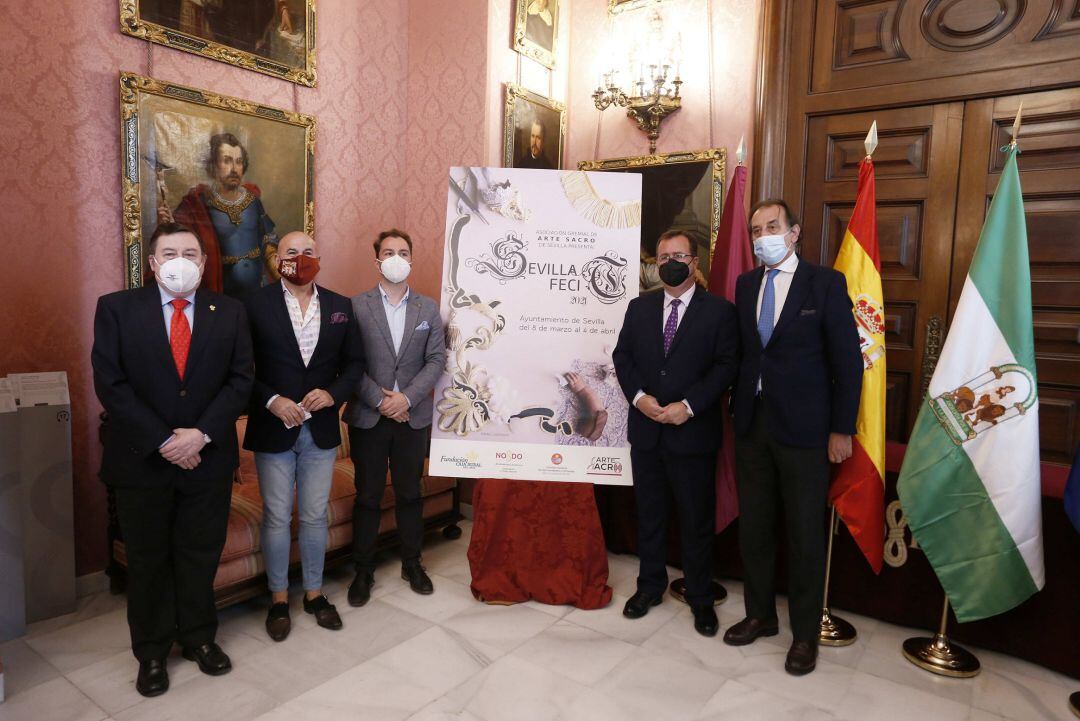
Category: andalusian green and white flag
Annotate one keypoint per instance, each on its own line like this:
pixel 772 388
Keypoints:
pixel 970 481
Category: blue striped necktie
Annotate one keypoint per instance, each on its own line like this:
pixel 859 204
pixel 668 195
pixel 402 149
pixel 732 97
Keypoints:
pixel 768 308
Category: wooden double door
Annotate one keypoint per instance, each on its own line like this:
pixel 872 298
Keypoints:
pixel 941 127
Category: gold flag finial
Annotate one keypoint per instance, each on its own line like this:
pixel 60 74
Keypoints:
pixel 1016 123
pixel 871 140
pixel 740 152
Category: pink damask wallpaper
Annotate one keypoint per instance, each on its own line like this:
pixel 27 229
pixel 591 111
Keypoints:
pixel 60 178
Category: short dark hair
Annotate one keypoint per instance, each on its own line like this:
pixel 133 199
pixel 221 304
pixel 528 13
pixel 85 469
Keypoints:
pixel 171 229
pixel 669 234
pixel 392 233
pixel 216 141
pixel 790 217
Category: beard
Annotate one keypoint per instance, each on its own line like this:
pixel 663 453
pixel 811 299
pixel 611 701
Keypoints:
pixel 231 182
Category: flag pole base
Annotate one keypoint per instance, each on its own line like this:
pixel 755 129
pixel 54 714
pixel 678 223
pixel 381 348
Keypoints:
pixel 1074 703
pixel 677 588
pixel 938 655
pixel 835 631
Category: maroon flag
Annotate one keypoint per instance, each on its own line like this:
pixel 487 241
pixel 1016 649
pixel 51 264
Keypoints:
pixel 731 258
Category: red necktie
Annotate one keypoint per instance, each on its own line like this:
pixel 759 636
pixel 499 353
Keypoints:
pixel 180 335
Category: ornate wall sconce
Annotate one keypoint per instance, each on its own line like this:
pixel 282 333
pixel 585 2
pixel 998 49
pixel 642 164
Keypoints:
pixel 652 92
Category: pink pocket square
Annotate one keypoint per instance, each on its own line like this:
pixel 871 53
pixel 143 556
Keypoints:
pixel 338 318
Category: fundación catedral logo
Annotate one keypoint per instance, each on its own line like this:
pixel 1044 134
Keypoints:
pixel 470 461
pixel 604 466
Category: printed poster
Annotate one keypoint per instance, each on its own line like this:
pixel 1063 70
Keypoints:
pixel 538 268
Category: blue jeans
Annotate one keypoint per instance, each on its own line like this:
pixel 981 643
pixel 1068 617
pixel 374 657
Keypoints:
pixel 307 471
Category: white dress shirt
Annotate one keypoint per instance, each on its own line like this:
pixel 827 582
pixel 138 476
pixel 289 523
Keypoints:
pixel 684 303
pixel 781 286
pixel 306 326
pixel 168 310
pixel 395 318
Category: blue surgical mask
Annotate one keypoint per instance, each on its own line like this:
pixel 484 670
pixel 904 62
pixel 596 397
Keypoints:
pixel 771 249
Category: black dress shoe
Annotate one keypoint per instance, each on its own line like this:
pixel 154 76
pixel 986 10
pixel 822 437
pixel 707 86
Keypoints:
pixel 153 678
pixel 417 577
pixel 801 658
pixel 705 621
pixel 278 623
pixel 211 659
pixel 325 613
pixel 749 630
pixel 640 603
pixel 360 590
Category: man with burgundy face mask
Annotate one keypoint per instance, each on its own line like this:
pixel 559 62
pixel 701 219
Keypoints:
pixel 796 401
pixel 675 357
pixel 172 368
pixel 308 359
pixel 389 416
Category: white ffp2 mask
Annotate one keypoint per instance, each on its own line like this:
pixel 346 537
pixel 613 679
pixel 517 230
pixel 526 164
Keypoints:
pixel 395 268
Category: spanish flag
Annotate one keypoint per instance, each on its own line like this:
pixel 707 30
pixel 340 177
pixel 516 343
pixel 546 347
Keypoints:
pixel 858 485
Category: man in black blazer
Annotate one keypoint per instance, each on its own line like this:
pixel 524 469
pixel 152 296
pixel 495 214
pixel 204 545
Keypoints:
pixel 795 406
pixel 675 357
pixel 308 359
pixel 172 368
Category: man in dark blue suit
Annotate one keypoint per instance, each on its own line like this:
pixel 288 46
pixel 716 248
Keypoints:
pixel 796 401
pixel 675 357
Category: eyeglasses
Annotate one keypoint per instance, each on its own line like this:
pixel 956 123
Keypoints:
pixel 681 257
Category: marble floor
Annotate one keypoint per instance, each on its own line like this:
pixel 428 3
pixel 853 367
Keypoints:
pixel 446 656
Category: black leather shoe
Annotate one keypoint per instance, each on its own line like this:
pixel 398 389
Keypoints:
pixel 211 659
pixel 278 623
pixel 801 658
pixel 640 603
pixel 749 630
pixel 705 621
pixel 325 613
pixel 360 589
pixel 153 678
pixel 417 577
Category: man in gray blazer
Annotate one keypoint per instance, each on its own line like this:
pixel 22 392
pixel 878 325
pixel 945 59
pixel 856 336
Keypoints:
pixel 389 417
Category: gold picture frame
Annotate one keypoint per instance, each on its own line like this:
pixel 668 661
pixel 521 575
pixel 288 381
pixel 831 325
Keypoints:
pixel 523 108
pixel 286 51
pixel 679 191
pixel 536 30
pixel 167 133
pixel 620 6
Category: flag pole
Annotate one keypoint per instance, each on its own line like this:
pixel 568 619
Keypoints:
pixel 938 655
pixel 834 631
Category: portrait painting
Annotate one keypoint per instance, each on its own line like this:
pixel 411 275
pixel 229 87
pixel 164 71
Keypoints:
pixel 238 174
pixel 681 191
pixel 276 37
pixel 533 130
pixel 536 24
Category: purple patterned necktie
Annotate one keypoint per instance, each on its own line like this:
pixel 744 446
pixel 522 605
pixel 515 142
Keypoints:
pixel 671 325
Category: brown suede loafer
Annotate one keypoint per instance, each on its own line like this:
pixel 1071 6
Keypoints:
pixel 749 630
pixel 801 658
pixel 278 623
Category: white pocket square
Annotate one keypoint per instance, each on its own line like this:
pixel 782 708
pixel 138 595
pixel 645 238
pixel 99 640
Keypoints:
pixel 423 326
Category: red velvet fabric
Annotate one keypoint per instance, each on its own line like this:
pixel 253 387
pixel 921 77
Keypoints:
pixel 538 540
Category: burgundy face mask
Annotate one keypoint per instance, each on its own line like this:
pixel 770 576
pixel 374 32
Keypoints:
pixel 300 269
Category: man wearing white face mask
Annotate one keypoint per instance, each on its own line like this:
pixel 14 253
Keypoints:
pixel 796 401
pixel 173 369
pixel 389 416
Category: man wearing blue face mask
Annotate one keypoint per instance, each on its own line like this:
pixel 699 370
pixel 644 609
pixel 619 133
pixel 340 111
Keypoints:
pixel 796 401
pixel 173 369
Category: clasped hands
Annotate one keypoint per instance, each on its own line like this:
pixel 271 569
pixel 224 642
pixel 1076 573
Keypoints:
pixel 394 406
pixel 291 413
pixel 673 413
pixel 182 449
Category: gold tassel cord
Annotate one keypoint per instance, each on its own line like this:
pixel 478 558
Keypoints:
pixel 600 211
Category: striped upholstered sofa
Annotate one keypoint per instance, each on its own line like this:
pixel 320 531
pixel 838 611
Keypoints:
pixel 241 574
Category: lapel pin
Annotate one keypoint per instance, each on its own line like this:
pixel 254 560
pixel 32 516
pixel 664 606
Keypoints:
pixel 213 307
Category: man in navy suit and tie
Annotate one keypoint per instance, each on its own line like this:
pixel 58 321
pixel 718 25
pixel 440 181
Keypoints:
pixel 796 401
pixel 675 357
